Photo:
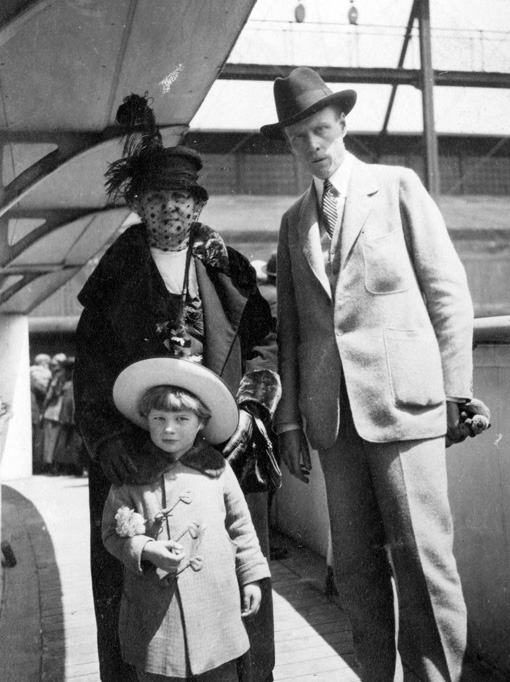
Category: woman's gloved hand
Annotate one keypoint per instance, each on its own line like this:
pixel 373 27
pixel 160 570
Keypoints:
pixel 241 437
pixel 116 458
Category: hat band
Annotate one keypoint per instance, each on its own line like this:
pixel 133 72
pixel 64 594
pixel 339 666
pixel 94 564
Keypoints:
pixel 163 178
pixel 303 101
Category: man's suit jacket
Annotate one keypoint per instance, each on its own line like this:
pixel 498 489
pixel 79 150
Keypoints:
pixel 399 326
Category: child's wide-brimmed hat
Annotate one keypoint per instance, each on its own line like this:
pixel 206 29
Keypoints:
pixel 134 381
pixel 300 95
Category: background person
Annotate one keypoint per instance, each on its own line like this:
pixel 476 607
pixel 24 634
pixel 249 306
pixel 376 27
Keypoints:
pixel 51 408
pixel 68 455
pixel 40 377
pixel 268 288
pixel 375 340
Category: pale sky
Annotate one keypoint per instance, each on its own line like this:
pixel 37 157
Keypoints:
pixel 466 35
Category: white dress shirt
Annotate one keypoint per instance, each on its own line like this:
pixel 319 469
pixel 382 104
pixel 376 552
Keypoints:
pixel 331 244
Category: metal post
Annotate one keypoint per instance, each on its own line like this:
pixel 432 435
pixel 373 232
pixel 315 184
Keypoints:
pixel 407 38
pixel 431 155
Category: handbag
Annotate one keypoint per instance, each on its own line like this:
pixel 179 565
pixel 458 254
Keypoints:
pixel 256 467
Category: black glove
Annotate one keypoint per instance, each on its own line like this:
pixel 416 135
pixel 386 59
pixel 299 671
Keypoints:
pixel 241 437
pixel 476 416
pixel 116 458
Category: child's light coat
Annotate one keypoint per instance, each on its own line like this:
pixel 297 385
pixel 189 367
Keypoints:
pixel 202 609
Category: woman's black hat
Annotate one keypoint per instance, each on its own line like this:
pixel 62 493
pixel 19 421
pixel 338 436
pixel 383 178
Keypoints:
pixel 145 163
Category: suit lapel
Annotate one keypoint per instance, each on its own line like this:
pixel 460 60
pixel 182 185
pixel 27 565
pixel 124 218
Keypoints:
pixel 309 236
pixel 358 205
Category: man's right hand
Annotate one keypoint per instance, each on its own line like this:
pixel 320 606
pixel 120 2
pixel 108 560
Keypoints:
pixel 116 461
pixel 293 448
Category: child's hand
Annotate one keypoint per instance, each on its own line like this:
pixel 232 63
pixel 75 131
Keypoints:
pixel 251 595
pixel 166 555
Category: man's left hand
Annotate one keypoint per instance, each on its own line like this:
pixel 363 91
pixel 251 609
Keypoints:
pixel 465 420
pixel 242 435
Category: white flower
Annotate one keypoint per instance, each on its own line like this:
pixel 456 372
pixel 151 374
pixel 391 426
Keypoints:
pixel 129 523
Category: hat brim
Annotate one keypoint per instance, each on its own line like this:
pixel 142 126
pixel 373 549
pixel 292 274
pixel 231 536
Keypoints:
pixel 346 99
pixel 134 381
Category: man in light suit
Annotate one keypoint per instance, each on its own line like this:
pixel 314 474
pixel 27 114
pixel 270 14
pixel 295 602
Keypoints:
pixel 375 336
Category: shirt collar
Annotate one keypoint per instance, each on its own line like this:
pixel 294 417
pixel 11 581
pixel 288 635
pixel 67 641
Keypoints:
pixel 339 179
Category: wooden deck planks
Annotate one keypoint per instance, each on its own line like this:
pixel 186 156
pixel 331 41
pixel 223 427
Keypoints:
pixel 312 635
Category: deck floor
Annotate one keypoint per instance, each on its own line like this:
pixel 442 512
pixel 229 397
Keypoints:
pixel 47 625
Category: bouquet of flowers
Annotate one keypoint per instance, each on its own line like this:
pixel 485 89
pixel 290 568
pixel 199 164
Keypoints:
pixel 129 523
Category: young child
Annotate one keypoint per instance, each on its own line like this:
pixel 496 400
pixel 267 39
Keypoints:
pixel 182 529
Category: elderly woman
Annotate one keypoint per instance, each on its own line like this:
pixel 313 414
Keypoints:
pixel 167 286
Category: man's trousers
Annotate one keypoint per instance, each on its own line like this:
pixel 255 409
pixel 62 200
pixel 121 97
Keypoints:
pixel 390 515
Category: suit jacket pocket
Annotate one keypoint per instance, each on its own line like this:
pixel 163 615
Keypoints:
pixel 388 269
pixel 414 366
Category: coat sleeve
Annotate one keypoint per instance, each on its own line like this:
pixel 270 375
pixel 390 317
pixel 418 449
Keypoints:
pixel 126 549
pixel 95 371
pixel 260 383
pixel 288 334
pixel 442 279
pixel 251 564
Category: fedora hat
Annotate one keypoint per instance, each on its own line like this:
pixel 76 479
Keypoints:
pixel 134 381
pixel 300 95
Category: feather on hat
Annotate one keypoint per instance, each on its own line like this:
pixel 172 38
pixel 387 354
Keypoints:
pixel 145 163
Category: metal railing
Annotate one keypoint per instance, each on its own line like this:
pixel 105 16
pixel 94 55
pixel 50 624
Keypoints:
pixel 492 329
pixel 340 43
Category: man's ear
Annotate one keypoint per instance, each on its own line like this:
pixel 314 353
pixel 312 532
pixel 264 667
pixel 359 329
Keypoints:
pixel 288 146
pixel 343 124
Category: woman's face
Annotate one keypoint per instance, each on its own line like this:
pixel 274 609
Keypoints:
pixel 168 215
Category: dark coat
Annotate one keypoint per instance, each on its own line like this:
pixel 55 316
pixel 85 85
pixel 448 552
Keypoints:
pixel 125 299
pixel 125 304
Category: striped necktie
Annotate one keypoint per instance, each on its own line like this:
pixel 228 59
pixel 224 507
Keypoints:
pixel 329 209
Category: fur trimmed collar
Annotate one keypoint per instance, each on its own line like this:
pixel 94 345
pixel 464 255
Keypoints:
pixel 151 462
pixel 128 264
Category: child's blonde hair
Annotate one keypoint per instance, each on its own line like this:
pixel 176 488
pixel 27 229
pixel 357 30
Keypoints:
pixel 172 399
